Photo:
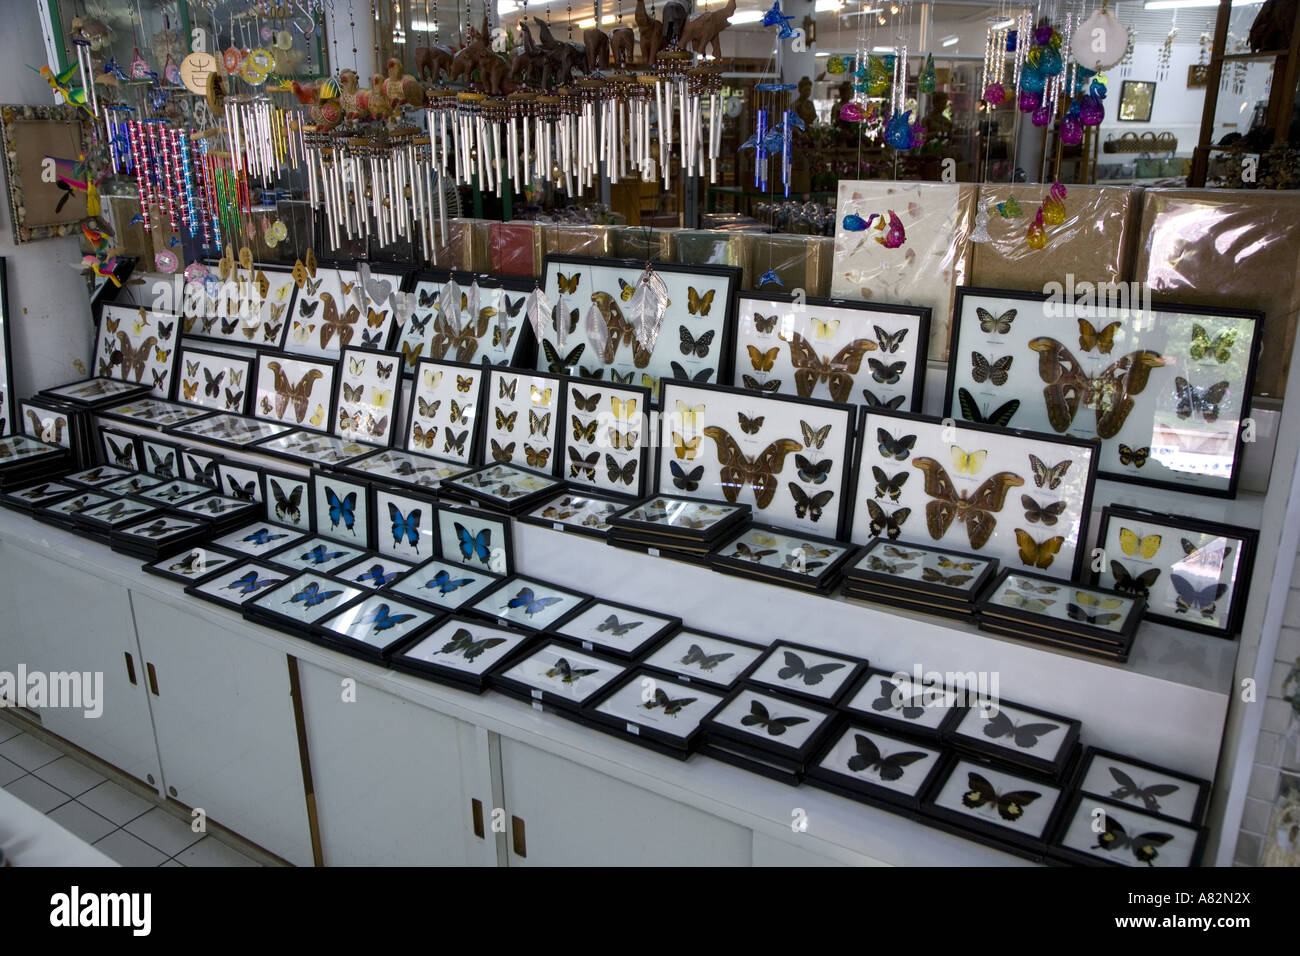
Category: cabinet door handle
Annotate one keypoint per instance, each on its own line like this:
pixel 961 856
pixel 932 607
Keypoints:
pixel 520 840
pixel 130 667
pixel 476 807
pixel 153 677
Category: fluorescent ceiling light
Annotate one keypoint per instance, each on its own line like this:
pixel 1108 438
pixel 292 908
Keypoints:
pixel 747 16
pixel 950 41
pixel 587 24
pixel 829 6
pixel 423 26
pixel 1179 4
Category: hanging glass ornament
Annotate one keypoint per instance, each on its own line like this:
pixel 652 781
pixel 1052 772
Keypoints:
pixel 995 94
pixel 1050 62
pixel 1035 235
pixel 878 74
pixel 1032 80
pixel 1042 116
pixel 1091 111
pixel 852 113
pixel 1010 209
pixel 1052 211
pixel 1072 126
pixel 835 65
pixel 855 223
pixel 1029 101
pixel 898 132
pixel 928 80
pixel 981 231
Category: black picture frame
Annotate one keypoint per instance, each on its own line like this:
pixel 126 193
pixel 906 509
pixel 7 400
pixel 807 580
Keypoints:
pixel 196 564
pixel 378 571
pixel 487 603
pixel 272 326
pixel 772 755
pixel 201 466
pixel 161 459
pixel 239 480
pixel 403 468
pixel 284 504
pixel 640 520
pixel 579 425
pixel 1084 810
pixel 514 676
pixel 820 684
pixel 258 539
pixel 1131 110
pixel 95 392
pixel 519 334
pixel 264 387
pixel 443 585
pixel 1093 776
pixel 381 611
pixel 427 379
pixel 8 407
pixel 573 511
pixel 651 722
pixel 829 768
pixel 985 822
pixel 691 657
pixel 418 514
pixel 236 580
pixel 237 432
pixel 489 483
pixel 149 412
pixel 482 530
pixel 605 638
pixel 1016 734
pixel 242 398
pixel 516 447
pixel 899 702
pixel 426 655
pixel 394 403
pixel 157 374
pixel 813 564
pixel 120 449
pixel 268 608
pixel 336 527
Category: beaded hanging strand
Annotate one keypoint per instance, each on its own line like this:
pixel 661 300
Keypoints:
pixel 374 26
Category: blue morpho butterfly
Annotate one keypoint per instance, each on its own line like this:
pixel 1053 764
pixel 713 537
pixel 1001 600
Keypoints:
pixel 249 583
pixel 530 602
pixel 407 527
pixel 342 510
pixel 378 575
pixel 445 583
pixel 381 619
pixel 769 276
pixel 318 555
pixel 312 595
pixel 472 545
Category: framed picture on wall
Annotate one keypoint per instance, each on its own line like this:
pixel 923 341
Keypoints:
pixel 42 207
pixel 1136 97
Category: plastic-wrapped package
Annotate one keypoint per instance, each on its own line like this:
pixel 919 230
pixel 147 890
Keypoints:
pixel 797 262
pixel 705 247
pixel 1092 243
pixel 913 250
pixel 514 248
pixel 466 246
pixel 642 242
pixel 1230 248
pixel 570 239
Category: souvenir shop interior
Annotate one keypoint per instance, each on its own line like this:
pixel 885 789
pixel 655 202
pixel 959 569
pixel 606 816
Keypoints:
pixel 760 432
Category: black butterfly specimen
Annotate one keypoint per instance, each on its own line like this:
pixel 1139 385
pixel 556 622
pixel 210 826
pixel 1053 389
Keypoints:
pixel 299 393
pixel 1133 584
pixel 1129 790
pixel 883 522
pixel 1109 393
pixel 745 552
pixel 758 716
pixel 875 401
pixel 578 465
pixel 703 375
pixel 813 474
pixel 615 627
pixel 625 474
pixel 695 655
pixel 245 491
pixel 567 673
pixel 699 347
pixel 1143 845
pixel 1024 735
pixel 287 507
pixel 975 509
pixel 1047 514
pixel 894 449
pixel 765 324
pixel 891 698
pixel 886 374
pixel 889 768
pixel 683 479
pixel 1000 416
pixel 809 505
pixel 835 371
pixel 771 385
pixel 887 486
pixel 739 469
pixel 234 400
pixel 586 403
pixel 811 676
pixel 462 642
pixel 163 467
pixel 671 706
pixel 1189 549
pixel 123 455
pixel 1192 399
pixel 1010 806
pixel 1137 457
pixel 750 426
pixel 996 371
pixel 889 342
pixel 1190 597
pixel 559 364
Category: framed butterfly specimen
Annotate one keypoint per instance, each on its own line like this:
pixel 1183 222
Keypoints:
pixel 236 584
pixel 446 412
pixel 556 674
pixel 576 512
pixel 995 806
pixel 903 702
pixel 152 411
pixel 395 467
pixel 444 584
pixel 1034 739
pixel 139 483
pixel 460 651
pixel 504 488
pixel 220 512
pixel 405 525
pixel 373 627
pixel 158 537
pixel 467 317
pixel 287 499
pixel 1127 837
pixel 160 459
pixel 115 513
pixel 770 554
pixel 63 511
pixel 862 353
pixel 341 508
pixel 528 602
pixel 1089 620
pixel 214 381
pixel 368 397
pixel 225 428
pixel 793 469
pixel 1143 786
pixel 475 539
pixel 51 422
pixel 862 763
pixel 959 485
pixel 607 437
pixel 238 481
pixel 294 391
pixel 807 672
pixel 1194 574
pixel 46 492
pixel 332 312
pixel 1164 390
pixel 192 565
pixel 375 572
pixel 619 630
pixel 372 289
pixel 308 446
pixel 253 308
pixel 695 340
pixel 523 415
pixel 97 476
pixel 7 406
pixel 138 346
pixel 918 577
pixel 767 733
pixel 92 393
pixel 300 602
pixel 120 449
pixel 699 657
pixel 654 711
pixel 259 538
pixel 677 524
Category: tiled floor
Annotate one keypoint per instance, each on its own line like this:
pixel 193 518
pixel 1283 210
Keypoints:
pixel 130 829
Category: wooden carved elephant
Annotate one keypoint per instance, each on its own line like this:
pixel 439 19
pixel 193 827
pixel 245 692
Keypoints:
pixel 621 44
pixel 432 61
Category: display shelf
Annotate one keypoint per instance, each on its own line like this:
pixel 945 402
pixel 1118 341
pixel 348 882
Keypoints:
pixel 30 838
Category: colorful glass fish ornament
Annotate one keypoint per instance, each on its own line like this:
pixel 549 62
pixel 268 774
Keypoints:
pixel 851 112
pixel 1010 209
pixel 1035 235
pixel 877 76
pixel 898 132
pixel 835 65
pixel 896 235
pixel 854 223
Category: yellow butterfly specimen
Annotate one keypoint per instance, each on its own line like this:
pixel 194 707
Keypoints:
pixel 623 408
pixel 432 379
pixel 968 462
pixel 420 437
pixel 381 398
pixel 698 304
pixel 650 382
pixel 568 284
pixel 1038 554
pixel 686 450
pixel 625 290
pixel 464 382
pixel 1093 600
pixel 138 326
pixel 1132 543
pixel 161 355
pixel 411 354
pixel 763 361
pixel 190 389
pixel 764 540
pixel 506 421
pixel 319 416
pixel 825 330
pixel 689 415
pixel 540 396
pixel 348 286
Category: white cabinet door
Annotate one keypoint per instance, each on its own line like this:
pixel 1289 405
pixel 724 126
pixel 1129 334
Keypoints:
pixel 392 783
pixel 227 737
pixel 59 618
pixel 570 815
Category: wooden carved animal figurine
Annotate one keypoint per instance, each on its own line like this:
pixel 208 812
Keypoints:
pixel 381 107
pixel 355 102
pixel 622 42
pixel 464 62
pixel 324 114
pixel 493 72
pixel 652 34
pixel 402 89
pixel 674 16
pixel 432 61
pixel 564 57
pixel 704 30
pixel 596 42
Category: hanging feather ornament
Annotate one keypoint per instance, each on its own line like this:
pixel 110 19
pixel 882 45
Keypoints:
pixel 539 310
pixel 646 309
pixel 597 329
pixel 475 300
pixel 449 304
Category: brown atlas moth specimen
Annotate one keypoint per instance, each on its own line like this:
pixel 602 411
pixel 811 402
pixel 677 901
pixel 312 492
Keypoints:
pixel 618 331
pixel 975 510
pixel 300 393
pixel 1108 393
pixel 738 469
pixel 837 371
